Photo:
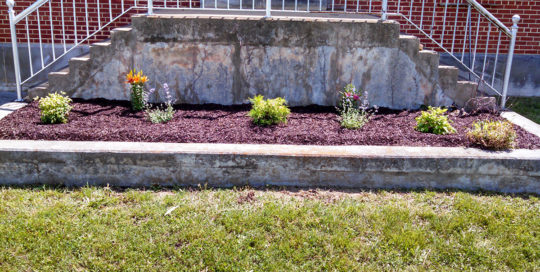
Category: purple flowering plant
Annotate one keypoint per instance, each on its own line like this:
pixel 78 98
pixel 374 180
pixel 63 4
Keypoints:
pixel 159 114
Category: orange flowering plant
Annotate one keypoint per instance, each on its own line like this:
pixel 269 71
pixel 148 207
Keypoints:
pixel 136 80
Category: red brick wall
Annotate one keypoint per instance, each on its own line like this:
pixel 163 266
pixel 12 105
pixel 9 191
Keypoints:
pixel 57 23
pixel 528 41
pixel 69 19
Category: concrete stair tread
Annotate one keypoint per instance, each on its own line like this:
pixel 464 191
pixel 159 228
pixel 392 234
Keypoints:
pixel 466 82
pixel 401 36
pixel 44 85
pixel 107 43
pixel 122 29
pixel 83 58
pixel 426 51
pixel 63 72
pixel 445 67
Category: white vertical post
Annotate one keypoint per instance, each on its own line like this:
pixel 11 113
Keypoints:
pixel 268 8
pixel 515 20
pixel 384 16
pixel 151 7
pixel 11 4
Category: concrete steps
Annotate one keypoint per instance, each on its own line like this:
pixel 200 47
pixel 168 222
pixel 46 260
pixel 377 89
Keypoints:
pixel 459 91
pixel 80 68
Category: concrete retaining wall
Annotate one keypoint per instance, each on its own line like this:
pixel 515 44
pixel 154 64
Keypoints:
pixel 227 59
pixel 222 165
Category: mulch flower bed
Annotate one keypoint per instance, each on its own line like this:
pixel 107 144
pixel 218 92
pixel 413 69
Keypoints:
pixel 101 120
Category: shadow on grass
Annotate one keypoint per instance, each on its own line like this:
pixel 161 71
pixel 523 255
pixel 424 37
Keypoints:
pixel 526 106
pixel 267 188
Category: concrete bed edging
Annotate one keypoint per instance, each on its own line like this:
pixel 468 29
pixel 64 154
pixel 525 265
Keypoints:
pixel 131 164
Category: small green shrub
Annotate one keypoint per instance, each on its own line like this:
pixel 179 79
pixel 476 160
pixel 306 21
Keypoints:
pixel 353 118
pixel 160 115
pixel 55 108
pixel 266 112
pixel 434 121
pixel 495 135
pixel 353 107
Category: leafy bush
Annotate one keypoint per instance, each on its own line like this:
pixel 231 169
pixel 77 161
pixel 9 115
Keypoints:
pixel 266 112
pixel 353 118
pixel 434 121
pixel 496 135
pixel 353 107
pixel 159 115
pixel 137 80
pixel 55 108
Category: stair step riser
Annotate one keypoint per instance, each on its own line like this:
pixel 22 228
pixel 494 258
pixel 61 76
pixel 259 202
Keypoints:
pixel 100 50
pixel 448 74
pixel 465 91
pixel 59 82
pixel 78 65
pixel 429 60
pixel 120 35
pixel 409 46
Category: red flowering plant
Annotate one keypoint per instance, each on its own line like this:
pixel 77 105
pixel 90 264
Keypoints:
pixel 353 107
pixel 350 97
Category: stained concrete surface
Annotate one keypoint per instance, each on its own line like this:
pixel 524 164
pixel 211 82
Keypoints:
pixel 227 59
pixel 227 165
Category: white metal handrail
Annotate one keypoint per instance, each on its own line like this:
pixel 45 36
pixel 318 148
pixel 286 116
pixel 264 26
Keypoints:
pixel 402 10
pixel 22 17
pixel 482 15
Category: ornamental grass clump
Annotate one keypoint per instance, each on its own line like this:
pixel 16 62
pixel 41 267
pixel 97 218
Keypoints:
pixel 494 135
pixel 353 107
pixel 265 112
pixel 55 108
pixel 434 121
pixel 160 114
pixel 137 80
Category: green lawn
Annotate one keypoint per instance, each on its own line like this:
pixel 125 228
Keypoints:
pixel 526 106
pixel 242 230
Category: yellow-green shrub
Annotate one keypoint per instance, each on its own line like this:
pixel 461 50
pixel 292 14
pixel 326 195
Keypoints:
pixel 55 108
pixel 434 121
pixel 268 111
pixel 496 135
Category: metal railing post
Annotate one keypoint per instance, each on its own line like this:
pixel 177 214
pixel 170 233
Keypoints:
pixel 268 8
pixel 11 4
pixel 384 15
pixel 150 7
pixel 515 20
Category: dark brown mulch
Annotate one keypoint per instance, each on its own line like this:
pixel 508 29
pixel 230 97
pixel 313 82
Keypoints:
pixel 101 120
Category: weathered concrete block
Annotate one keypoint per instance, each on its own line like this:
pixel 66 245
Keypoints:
pixel 465 91
pixel 226 60
pixel 226 165
pixel 481 104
